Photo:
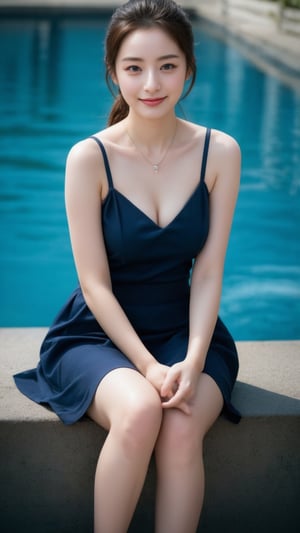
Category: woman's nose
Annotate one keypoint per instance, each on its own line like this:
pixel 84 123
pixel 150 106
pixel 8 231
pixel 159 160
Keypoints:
pixel 152 82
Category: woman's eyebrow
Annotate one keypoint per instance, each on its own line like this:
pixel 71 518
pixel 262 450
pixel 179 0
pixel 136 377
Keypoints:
pixel 161 58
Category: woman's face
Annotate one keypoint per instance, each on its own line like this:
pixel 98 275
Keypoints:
pixel 151 71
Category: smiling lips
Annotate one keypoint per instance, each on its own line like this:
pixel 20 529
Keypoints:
pixel 152 102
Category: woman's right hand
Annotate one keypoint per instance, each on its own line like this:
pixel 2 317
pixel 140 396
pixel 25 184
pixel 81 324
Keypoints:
pixel 156 374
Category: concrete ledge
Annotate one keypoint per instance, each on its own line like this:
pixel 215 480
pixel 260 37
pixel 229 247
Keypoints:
pixel 252 470
pixel 253 27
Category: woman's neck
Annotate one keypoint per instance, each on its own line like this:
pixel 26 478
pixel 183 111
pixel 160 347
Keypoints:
pixel 151 135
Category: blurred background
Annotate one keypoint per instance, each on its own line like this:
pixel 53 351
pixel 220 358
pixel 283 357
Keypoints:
pixel 53 94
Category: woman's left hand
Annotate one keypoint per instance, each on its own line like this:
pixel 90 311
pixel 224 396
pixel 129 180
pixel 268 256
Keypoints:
pixel 179 387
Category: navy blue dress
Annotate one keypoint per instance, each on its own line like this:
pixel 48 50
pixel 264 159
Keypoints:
pixel 150 270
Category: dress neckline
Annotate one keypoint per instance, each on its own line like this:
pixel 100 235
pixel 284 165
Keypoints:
pixel 132 204
pixel 115 191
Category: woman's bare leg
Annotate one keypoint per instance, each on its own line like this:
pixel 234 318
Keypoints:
pixel 179 459
pixel 130 408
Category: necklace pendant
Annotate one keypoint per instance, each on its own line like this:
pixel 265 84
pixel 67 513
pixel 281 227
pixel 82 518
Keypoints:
pixel 155 168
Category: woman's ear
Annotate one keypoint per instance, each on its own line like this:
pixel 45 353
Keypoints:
pixel 188 74
pixel 114 77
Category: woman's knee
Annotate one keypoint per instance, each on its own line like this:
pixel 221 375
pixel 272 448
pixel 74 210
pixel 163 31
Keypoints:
pixel 181 435
pixel 122 398
pixel 138 422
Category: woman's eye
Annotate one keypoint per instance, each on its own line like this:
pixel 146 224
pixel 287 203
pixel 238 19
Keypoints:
pixel 133 68
pixel 168 66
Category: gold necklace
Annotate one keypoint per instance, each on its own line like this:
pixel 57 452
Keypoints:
pixel 155 166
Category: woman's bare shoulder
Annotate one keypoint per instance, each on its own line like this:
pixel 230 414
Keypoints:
pixel 225 143
pixel 85 164
pixel 225 160
pixel 85 155
pixel 84 151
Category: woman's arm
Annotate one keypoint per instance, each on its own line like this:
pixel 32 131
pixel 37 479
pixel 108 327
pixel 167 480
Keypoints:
pixel 85 188
pixel 207 276
pixel 206 283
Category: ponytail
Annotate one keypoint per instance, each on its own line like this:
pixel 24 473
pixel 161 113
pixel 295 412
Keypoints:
pixel 119 110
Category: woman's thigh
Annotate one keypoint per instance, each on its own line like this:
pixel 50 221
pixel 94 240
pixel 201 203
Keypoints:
pixel 208 402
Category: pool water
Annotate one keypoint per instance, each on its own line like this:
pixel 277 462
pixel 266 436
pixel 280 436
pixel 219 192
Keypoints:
pixel 53 93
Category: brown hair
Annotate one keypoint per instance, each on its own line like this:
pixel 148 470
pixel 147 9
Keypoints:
pixel 137 14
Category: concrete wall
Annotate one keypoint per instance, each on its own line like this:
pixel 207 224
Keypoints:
pixel 252 469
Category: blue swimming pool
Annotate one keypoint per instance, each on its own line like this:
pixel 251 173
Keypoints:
pixel 52 94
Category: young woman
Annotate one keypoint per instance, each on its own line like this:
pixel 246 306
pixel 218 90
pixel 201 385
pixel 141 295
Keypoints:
pixel 139 346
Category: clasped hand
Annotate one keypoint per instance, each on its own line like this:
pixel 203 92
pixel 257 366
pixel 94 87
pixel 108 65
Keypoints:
pixel 176 385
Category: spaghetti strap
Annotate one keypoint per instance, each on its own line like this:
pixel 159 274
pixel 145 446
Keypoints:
pixel 105 159
pixel 205 152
